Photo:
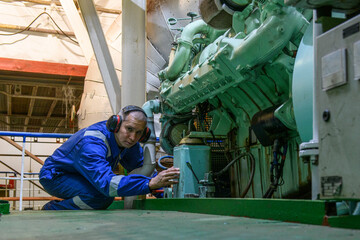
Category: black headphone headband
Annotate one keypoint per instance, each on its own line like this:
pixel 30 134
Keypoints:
pixel 114 122
pixel 132 108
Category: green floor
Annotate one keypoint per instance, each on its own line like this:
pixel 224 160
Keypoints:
pixel 151 224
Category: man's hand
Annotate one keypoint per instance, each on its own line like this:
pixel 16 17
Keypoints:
pixel 165 178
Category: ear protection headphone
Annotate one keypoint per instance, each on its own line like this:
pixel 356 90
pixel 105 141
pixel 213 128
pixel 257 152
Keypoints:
pixel 114 122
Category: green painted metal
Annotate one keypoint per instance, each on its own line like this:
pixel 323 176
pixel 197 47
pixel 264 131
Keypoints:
pixel 221 123
pixel 241 2
pixel 235 60
pixel 239 21
pixel 285 113
pixel 199 158
pixel 244 71
pixel 352 222
pixel 302 86
pixel 205 135
pixel 4 207
pixel 147 224
pixel 301 211
pixel 183 50
pixel 116 205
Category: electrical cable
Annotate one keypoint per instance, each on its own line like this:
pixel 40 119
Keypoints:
pixel 276 167
pixel 252 165
pixel 28 27
pixel 159 163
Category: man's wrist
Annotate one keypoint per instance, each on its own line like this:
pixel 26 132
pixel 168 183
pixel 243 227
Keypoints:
pixel 150 185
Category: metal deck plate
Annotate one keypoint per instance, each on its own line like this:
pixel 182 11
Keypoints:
pixel 146 224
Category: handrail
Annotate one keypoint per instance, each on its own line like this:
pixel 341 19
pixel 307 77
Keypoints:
pixel 24 135
pixel 33 134
pixel 20 148
pixel 1 162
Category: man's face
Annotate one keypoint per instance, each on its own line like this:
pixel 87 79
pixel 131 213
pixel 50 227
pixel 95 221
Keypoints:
pixel 130 130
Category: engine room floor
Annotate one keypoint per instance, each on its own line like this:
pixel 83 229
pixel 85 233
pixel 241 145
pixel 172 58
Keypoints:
pixel 150 224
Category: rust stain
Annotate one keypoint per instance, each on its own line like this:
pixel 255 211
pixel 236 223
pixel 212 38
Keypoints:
pixel 152 5
pixel 298 165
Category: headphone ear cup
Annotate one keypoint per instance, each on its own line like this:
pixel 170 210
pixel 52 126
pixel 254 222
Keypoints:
pixel 113 123
pixel 145 136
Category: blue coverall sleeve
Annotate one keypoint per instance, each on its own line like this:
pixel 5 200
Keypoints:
pixel 93 166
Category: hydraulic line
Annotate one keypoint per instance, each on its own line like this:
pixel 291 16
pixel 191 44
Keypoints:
pixel 252 165
pixel 276 169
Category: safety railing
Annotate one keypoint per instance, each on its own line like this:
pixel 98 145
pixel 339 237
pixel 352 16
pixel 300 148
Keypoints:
pixel 24 135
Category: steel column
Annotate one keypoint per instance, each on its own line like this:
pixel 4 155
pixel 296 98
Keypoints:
pixel 133 53
pixel 102 53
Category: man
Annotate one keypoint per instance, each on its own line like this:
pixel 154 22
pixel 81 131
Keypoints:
pixel 81 170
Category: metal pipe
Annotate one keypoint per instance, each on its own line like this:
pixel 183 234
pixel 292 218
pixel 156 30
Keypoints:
pixel 259 47
pixel 14 178
pixel 315 175
pixel 21 149
pixel 19 173
pixel 30 198
pixel 150 107
pixel 183 51
pixel 22 178
pixel 33 134
pixel 22 174
pixel 24 135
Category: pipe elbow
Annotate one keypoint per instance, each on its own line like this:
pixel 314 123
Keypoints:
pixel 151 107
pixel 149 161
pixel 183 51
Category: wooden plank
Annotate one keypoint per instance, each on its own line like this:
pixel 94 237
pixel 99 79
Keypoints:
pixel 29 66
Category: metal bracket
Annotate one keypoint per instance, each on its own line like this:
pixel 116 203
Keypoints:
pixel 309 151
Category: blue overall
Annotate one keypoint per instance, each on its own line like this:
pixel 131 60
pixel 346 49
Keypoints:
pixel 81 171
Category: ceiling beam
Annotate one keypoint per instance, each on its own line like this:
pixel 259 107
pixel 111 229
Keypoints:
pixel 51 109
pixel 79 28
pixel 58 127
pixel 33 117
pixel 35 97
pixel 57 3
pixel 41 81
pixel 102 53
pixel 31 107
pixel 39 67
pixel 61 123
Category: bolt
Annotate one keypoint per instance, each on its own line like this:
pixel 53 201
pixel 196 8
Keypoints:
pixel 326 115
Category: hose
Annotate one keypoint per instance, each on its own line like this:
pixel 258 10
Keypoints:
pixel 159 163
pixel 276 169
pixel 252 165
